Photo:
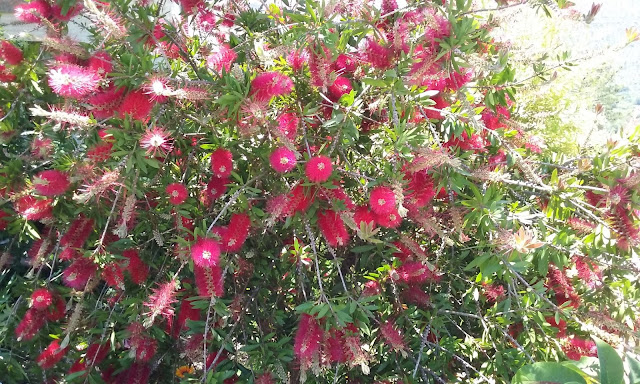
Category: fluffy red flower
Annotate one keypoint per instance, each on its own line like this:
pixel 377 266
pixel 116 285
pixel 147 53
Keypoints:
pixel 11 54
pixel 41 299
pixel 392 336
pixel 30 324
pixel 493 292
pixel 217 187
pixel 57 310
pixel 415 272
pixel 319 169
pixel 333 228
pixel 78 273
pixel 187 312
pixel 138 270
pixel 221 59
pixel 270 84
pixel 113 275
pixel 558 282
pixel 297 59
pixel 205 252
pixel 177 193
pixel 159 303
pixel 105 103
pixel 578 347
pixel 382 200
pixel 221 163
pixel 209 281
pixel 378 56
pixel 283 159
pixel 100 153
pixel 32 12
pixel 337 194
pixel 68 80
pixel 51 355
pixel 389 220
pixel 236 233
pixel 345 63
pixel 78 232
pixel 156 140
pixel 340 87
pixel 100 63
pixel 561 326
pixel 307 340
pixel 137 104
pixel 51 182
pixel 72 11
pixel 33 209
pixel 415 295
pixel 288 125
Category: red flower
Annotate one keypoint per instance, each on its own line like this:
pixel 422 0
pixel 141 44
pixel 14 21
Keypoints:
pixel 307 340
pixel 137 104
pixel 30 324
pixel 378 56
pixel 333 228
pixel 392 336
pixel 51 355
pixel 51 182
pixel 159 303
pixel 113 275
pixel 4 220
pixel 415 295
pixel 578 347
pixel 561 326
pixel 389 220
pixel 209 281
pixel 100 63
pixel 177 193
pixel 57 310
pixel 283 159
pixel 493 292
pixel 270 84
pixel 78 273
pixel 11 54
pixel 382 200
pixel 345 64
pixel 33 209
pixel 288 125
pixel 74 10
pixel 221 59
pixel 297 59
pixel 100 153
pixel 236 234
pixel 41 299
pixel 319 169
pixel 105 103
pixel 340 87
pixel 205 252
pixel 217 187
pixel 32 12
pixel 415 272
pixel 68 80
pixel 186 312
pixel 221 163
pixel 137 269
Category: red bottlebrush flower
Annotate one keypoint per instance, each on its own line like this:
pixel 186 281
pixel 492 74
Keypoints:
pixel 236 233
pixel 41 299
pixel 288 125
pixel 409 248
pixel 78 232
pixel 300 198
pixel 205 252
pixel 138 270
pixel 415 272
pixel 392 336
pixel 41 148
pixel 156 140
pixel 137 104
pixel 420 189
pixel 30 324
pixel 433 112
pixel 578 347
pixel 68 80
pixel 265 378
pixel 78 273
pixel 57 310
pixel 270 84
pixel 496 120
pixel 345 64
pixel 209 281
pixel 96 353
pixel 283 159
pixel 191 6
pixel 145 348
pixel 334 346
pixel 158 88
pixel 319 169
pixel 467 143
pixel 340 87
pixel 364 215
pixel 581 226
pixel 378 56
pixel 297 60
pixel 4 220
pixel 389 220
pixel 100 63
pixel 337 194
pixel 588 271
pixel 382 200
pixel 307 340
pixel 137 373
pixel 51 182
pixel 493 292
pixel 72 11
pixel 32 12
pixel 371 288
pixel 113 275
pixel 51 355
pixel 618 196
pixel 11 54
pixel 415 295
pixel 33 209
pixel 100 153
pixel 217 187
pixel 221 163
pixel 558 282
pixel 333 228
pixel 39 249
pixel 186 312
pixel 221 59
pixel 159 303
pixel 627 232
pixel 177 193
pixel 105 103
pixel 561 326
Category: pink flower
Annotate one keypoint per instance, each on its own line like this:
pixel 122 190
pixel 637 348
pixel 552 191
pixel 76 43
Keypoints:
pixel 100 63
pixel 158 88
pixel 159 303
pixel 221 59
pixel 216 187
pixel 283 159
pixel 297 59
pixel 11 54
pixel 345 63
pixel 69 80
pixel 41 299
pixel 236 234
pixel 378 56
pixel 340 87
pixel 137 104
pixel 389 220
pixel 270 84
pixel 222 163
pixel 392 336
pixel 319 169
pixel 333 228
pixel 156 139
pixel 288 125
pixel 78 273
pixel 33 209
pixel 205 252
pixel 177 193
pixel 51 182
pixel 382 200
pixel 209 281
pixel 51 355
pixel 307 340
pixel 32 12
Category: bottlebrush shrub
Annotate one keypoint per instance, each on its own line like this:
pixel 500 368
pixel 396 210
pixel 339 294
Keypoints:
pixel 329 193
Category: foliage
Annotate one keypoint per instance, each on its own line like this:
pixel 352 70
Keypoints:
pixel 316 191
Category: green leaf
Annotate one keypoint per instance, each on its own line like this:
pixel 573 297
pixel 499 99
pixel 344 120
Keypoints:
pixel 611 367
pixel 634 370
pixel 547 373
